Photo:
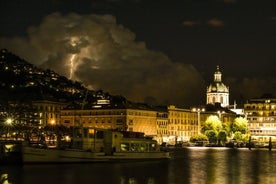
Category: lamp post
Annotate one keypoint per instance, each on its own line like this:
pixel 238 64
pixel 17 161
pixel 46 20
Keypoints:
pixel 52 133
pixel 198 110
pixel 219 113
pixel 8 123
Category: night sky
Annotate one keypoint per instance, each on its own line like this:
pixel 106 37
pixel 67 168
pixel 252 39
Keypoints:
pixel 163 52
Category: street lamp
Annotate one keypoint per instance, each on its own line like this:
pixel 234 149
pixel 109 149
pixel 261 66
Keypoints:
pixel 219 113
pixel 8 123
pixel 52 133
pixel 198 110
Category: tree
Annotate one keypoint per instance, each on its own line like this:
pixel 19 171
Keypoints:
pixel 238 136
pixel 212 136
pixel 198 137
pixel 227 127
pixel 240 124
pixel 222 136
pixel 212 123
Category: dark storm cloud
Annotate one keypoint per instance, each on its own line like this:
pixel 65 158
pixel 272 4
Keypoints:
pixel 229 1
pixel 238 35
pixel 242 89
pixel 104 55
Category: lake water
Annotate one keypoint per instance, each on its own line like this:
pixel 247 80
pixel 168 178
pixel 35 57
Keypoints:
pixel 191 165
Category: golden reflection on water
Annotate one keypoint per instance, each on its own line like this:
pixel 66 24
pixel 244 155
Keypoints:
pixel 133 180
pixel 193 165
pixel 223 165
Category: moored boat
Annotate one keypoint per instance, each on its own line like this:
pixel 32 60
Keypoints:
pixel 97 146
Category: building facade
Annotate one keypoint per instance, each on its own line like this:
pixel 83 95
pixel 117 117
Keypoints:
pixel 127 119
pixel 261 116
pixel 162 126
pixel 183 123
pixel 170 125
pixel 217 91
pixel 48 112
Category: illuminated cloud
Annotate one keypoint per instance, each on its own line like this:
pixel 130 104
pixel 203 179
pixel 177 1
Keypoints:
pixel 104 55
pixel 212 22
pixel 190 23
pixel 215 22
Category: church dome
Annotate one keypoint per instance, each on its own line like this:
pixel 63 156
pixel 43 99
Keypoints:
pixel 217 92
pixel 217 87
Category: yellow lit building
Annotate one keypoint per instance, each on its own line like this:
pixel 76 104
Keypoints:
pixel 121 118
pixel 261 116
pixel 170 124
pixel 162 126
pixel 182 123
pixel 48 112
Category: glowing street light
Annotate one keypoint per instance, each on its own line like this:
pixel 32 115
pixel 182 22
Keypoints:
pixel 52 122
pixel 8 123
pixel 198 110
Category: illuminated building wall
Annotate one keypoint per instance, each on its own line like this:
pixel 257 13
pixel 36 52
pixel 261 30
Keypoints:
pixel 261 116
pixel 135 120
pixel 168 125
pixel 48 112
pixel 94 118
pixel 182 123
pixel 162 127
pixel 142 121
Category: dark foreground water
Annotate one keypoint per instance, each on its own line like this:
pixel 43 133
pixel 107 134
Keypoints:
pixel 191 165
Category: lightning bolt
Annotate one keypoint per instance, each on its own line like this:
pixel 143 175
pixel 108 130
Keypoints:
pixel 72 66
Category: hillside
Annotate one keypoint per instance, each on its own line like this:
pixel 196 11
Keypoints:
pixel 22 82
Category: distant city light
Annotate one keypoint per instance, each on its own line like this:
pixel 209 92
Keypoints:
pixel 9 121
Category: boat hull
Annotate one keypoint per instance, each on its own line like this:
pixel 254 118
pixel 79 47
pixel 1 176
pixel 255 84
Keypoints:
pixel 37 155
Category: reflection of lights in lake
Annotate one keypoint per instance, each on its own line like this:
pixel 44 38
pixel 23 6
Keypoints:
pixel 133 180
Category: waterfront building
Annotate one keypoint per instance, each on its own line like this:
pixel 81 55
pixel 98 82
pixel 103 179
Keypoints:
pixel 134 118
pixel 217 91
pixel 183 123
pixel 48 112
pixel 162 126
pixel 261 116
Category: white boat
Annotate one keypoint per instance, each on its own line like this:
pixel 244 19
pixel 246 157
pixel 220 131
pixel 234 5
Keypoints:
pixel 98 146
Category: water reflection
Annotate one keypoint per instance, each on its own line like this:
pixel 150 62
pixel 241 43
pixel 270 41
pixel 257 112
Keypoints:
pixel 223 165
pixel 191 165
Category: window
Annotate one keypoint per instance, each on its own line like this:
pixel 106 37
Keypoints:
pixel 119 122
pixel 124 147
pixel 134 147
